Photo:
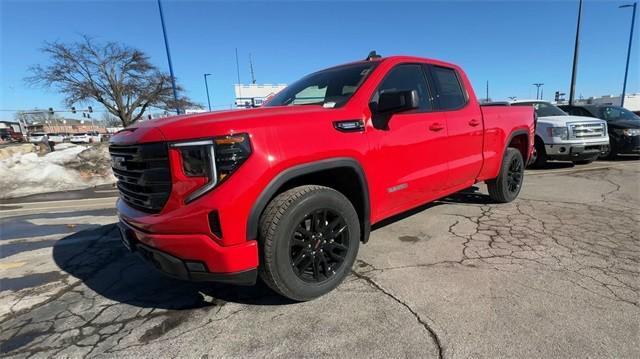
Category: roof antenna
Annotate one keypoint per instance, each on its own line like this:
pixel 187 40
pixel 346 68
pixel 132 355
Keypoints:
pixel 253 77
pixel 372 55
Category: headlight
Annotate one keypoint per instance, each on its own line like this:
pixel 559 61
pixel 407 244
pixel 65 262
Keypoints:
pixel 214 159
pixel 561 132
pixel 231 152
pixel 628 131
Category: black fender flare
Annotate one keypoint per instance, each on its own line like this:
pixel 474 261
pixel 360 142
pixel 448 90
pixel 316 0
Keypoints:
pixel 514 134
pixel 308 168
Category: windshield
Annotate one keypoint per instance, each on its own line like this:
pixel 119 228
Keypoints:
pixel 330 88
pixel 543 109
pixel 615 113
pixel 37 134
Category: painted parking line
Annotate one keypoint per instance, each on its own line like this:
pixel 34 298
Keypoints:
pixel 59 206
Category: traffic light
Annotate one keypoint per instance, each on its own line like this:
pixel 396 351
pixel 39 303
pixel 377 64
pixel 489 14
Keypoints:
pixel 73 109
pixel 51 110
pixel 90 109
pixel 557 97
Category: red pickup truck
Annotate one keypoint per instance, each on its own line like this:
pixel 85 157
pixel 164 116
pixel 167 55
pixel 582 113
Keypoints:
pixel 290 190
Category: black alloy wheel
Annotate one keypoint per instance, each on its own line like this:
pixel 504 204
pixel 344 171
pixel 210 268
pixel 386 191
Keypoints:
pixel 319 245
pixel 506 187
pixel 309 238
pixel 515 174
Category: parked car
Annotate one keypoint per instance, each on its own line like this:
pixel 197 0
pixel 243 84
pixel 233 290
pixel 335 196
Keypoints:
pixel 36 137
pixel 623 126
pixel 55 137
pixel 563 137
pixel 288 191
pixel 87 137
pixel 11 132
pixel 7 134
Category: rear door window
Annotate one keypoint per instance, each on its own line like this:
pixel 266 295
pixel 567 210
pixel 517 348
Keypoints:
pixel 448 88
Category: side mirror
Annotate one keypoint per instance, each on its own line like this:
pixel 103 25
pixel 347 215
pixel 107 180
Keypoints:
pixel 390 103
pixel 397 101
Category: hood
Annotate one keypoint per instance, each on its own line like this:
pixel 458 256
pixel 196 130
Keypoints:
pixel 216 123
pixel 563 120
pixel 622 124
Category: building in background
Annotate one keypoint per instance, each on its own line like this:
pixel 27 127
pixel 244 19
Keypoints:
pixel 631 101
pixel 66 125
pixel 254 95
pixel 194 110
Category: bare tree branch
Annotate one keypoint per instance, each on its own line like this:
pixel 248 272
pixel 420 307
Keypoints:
pixel 119 77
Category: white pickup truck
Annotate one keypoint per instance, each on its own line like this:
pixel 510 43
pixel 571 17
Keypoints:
pixel 563 137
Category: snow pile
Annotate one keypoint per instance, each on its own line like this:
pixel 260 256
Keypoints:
pixel 67 168
pixel 8 151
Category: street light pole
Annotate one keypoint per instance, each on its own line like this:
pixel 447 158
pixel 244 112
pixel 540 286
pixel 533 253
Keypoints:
pixel 538 85
pixel 206 85
pixel 626 69
pixel 572 90
pixel 166 46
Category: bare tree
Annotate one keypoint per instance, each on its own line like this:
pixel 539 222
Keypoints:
pixel 119 77
pixel 110 120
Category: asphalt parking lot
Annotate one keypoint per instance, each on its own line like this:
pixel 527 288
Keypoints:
pixel 554 274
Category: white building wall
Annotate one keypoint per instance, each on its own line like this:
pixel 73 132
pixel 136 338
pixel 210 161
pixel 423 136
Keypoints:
pixel 631 101
pixel 254 94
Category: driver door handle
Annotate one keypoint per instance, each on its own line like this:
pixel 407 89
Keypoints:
pixel 474 122
pixel 436 126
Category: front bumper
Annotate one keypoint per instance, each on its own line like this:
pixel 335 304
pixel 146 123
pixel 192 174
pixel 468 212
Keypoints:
pixel 627 145
pixel 193 267
pixel 576 152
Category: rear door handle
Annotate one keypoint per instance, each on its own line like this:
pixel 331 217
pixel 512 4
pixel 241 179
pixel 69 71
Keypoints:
pixel 474 122
pixel 437 126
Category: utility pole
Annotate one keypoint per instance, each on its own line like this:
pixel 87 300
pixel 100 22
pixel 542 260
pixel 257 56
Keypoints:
pixel 238 73
pixel 626 69
pixel 206 85
pixel 487 90
pixel 538 85
pixel 574 72
pixel 253 77
pixel 166 46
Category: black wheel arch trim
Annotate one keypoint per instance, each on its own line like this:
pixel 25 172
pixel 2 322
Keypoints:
pixel 304 169
pixel 514 134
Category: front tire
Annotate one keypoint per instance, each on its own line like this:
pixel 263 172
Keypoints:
pixel 539 159
pixel 506 187
pixel 309 237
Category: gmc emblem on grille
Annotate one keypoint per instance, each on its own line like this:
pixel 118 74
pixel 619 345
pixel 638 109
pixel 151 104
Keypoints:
pixel 118 163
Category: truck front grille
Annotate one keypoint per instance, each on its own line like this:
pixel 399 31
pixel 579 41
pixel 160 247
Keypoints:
pixel 143 173
pixel 587 130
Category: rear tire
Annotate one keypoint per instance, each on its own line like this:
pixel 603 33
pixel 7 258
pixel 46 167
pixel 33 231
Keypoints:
pixel 309 238
pixel 506 187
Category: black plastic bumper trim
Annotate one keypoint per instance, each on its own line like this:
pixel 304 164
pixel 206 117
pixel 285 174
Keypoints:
pixel 177 268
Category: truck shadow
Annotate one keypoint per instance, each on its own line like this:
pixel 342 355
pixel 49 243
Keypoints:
pixel 100 261
pixel 97 258
pixel 469 195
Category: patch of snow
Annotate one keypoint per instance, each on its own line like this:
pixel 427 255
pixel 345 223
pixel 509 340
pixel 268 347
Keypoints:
pixel 26 174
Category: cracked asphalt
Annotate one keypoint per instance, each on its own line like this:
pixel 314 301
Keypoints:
pixel 554 274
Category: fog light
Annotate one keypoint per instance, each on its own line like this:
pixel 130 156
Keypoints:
pixel 563 150
pixel 196 267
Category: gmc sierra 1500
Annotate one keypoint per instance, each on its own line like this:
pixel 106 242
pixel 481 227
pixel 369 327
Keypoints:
pixel 290 190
